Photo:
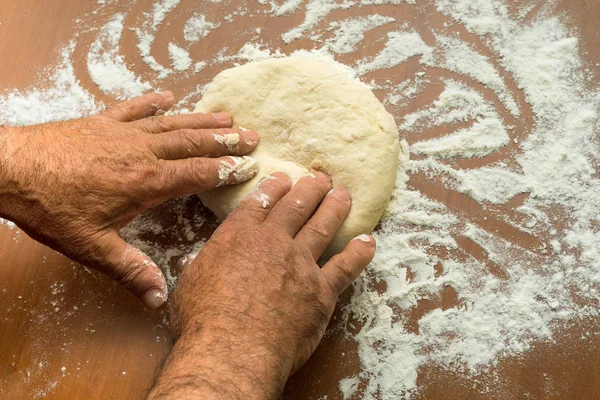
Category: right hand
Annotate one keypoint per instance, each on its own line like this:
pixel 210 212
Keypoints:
pixel 254 304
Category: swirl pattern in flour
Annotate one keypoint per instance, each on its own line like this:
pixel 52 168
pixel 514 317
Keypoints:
pixel 494 221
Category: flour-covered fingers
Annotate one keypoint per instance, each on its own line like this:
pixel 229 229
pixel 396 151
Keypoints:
pixel 167 123
pixel 185 143
pixel 140 107
pixel 345 267
pixel 259 203
pixel 195 175
pixel 292 212
pixel 317 233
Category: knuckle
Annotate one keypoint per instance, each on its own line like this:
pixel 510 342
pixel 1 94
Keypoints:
pixel 200 119
pixel 148 173
pixel 132 109
pixel 128 275
pixel 321 312
pixel 344 272
pixel 201 170
pixel 295 207
pixel 192 140
pixel 318 231
pixel 160 170
pixel 247 209
pixel 162 123
pixel 337 213
pixel 318 315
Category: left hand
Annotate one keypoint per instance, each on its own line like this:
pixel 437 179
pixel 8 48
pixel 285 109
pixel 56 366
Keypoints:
pixel 73 185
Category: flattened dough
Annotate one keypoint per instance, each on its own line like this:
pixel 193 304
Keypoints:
pixel 311 116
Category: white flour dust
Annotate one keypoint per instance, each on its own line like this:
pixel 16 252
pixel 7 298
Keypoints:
pixel 106 66
pixel 197 27
pixel 515 101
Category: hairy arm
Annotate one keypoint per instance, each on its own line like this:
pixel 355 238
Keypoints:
pixel 73 185
pixel 252 307
pixel 213 363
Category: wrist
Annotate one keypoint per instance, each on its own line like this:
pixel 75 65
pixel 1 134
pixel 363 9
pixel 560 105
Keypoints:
pixel 214 362
pixel 8 183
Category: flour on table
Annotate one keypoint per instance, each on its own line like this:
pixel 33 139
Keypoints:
pixel 481 114
pixel 107 67
pixel 180 58
pixel 197 27
pixel 349 32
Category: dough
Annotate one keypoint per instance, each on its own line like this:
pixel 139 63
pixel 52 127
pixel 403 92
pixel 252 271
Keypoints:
pixel 311 116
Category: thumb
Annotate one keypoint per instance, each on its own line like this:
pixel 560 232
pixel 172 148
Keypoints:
pixel 133 269
pixel 345 267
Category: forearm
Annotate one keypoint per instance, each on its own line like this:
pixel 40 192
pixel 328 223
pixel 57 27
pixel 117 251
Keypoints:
pixel 18 180
pixel 8 186
pixel 217 364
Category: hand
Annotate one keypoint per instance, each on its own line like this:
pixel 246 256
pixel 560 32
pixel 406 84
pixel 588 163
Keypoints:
pixel 252 307
pixel 73 185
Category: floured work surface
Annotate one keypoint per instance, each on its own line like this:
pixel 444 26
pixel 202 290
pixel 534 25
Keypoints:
pixel 485 285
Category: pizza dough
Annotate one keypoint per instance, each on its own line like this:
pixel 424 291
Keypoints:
pixel 311 116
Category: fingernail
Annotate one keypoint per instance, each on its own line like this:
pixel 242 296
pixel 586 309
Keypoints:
pixel 340 193
pixel 224 117
pixel 365 238
pixel 167 95
pixel 250 136
pixel 154 298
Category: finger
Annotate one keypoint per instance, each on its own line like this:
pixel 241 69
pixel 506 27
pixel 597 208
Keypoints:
pixel 187 143
pixel 169 123
pixel 317 233
pixel 134 270
pixel 345 267
pixel 195 175
pixel 140 107
pixel 292 212
pixel 258 203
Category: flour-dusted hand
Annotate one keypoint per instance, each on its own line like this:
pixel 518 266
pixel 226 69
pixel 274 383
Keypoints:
pixel 252 307
pixel 73 185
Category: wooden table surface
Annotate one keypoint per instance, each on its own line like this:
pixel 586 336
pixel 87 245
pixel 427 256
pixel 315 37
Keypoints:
pixel 67 332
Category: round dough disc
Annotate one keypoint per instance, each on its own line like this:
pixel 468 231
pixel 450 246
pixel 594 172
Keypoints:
pixel 311 115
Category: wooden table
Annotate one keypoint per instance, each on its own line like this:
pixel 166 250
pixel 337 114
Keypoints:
pixel 68 332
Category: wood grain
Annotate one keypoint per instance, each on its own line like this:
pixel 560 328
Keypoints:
pixel 68 332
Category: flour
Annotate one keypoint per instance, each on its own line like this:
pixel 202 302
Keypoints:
pixel 457 103
pixel 106 66
pixel 379 2
pixel 239 168
pixel 231 140
pixel 462 58
pixel 65 99
pixel 521 291
pixel 199 66
pixel 483 138
pixel 146 34
pixel 289 6
pixel 161 9
pixel 144 45
pixel 180 58
pixel 348 386
pixel 400 46
pixel 316 10
pixel 351 31
pixel 197 27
